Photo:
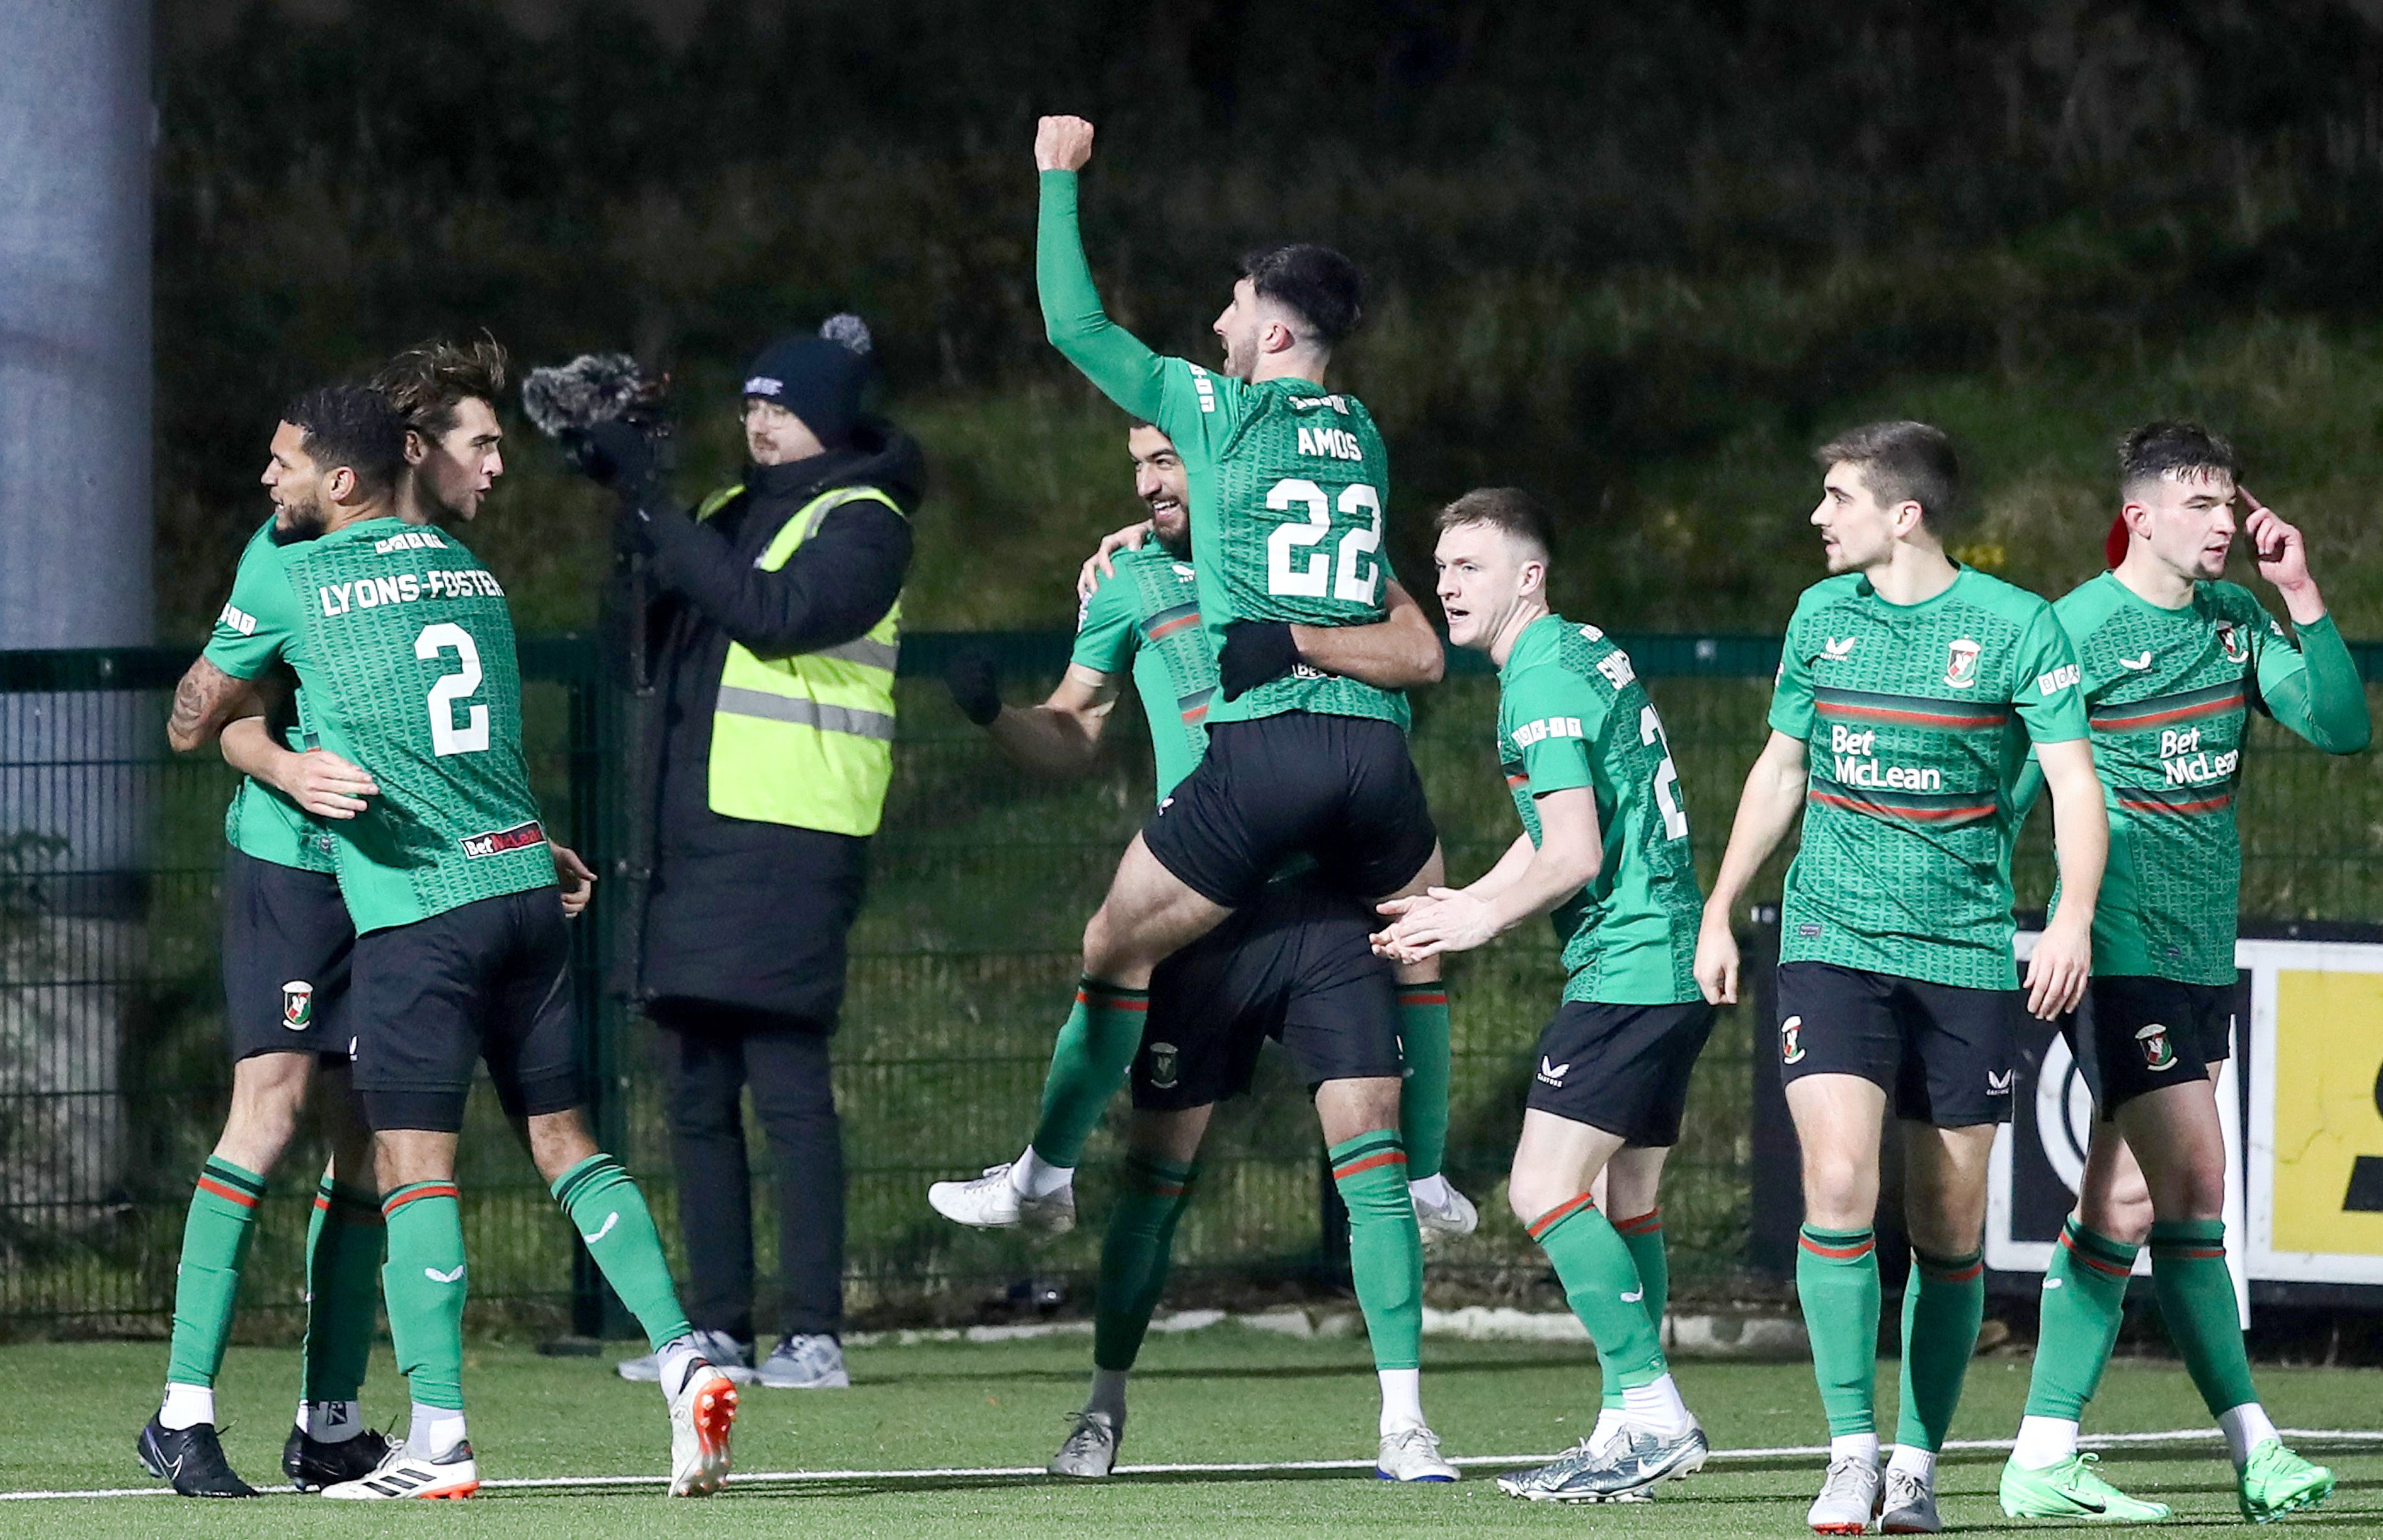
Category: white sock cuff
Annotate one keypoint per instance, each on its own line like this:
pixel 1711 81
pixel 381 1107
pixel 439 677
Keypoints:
pixel 186 1406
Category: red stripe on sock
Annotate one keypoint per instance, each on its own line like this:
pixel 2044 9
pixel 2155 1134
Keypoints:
pixel 1650 1220
pixel 1387 1157
pixel 245 1200
pixel 1559 1213
pixel 1112 1002
pixel 1438 999
pixel 2189 1253
pixel 321 1203
pixel 440 1189
pixel 1964 1275
pixel 2102 1265
pixel 1837 1253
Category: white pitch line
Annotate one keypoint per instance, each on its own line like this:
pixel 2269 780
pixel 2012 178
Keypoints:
pixel 1002 1472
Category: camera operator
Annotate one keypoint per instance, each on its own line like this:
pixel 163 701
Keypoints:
pixel 772 623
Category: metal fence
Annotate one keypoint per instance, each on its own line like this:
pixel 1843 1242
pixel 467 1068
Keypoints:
pixel 112 1081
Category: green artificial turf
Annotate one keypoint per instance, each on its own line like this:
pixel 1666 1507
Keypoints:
pixel 70 1411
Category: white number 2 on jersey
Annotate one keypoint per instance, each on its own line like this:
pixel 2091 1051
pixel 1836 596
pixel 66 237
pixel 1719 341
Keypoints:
pixel 445 736
pixel 1352 579
pixel 1667 779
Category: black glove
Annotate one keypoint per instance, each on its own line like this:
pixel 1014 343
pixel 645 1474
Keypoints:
pixel 975 685
pixel 1254 652
pixel 612 454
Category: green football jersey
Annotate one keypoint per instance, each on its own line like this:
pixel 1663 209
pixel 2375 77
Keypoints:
pixel 1288 481
pixel 403 648
pixel 1917 718
pixel 2170 692
pixel 1148 617
pixel 1572 713
pixel 259 820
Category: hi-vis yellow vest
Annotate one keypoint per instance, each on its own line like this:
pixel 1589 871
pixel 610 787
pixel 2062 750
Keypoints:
pixel 808 740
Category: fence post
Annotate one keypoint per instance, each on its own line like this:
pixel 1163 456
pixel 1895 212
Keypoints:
pixel 597 814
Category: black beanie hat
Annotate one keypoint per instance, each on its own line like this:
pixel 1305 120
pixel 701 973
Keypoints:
pixel 817 378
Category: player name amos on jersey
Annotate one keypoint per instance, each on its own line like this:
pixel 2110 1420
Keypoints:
pixel 1335 442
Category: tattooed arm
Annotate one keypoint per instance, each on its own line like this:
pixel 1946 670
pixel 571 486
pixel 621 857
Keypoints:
pixel 204 701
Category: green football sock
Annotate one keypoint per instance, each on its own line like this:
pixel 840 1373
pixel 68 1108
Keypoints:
pixel 1602 1285
pixel 1943 1302
pixel 1151 1198
pixel 424 1285
pixel 215 1243
pixel 2196 1297
pixel 611 1217
pixel 1423 1100
pixel 1644 1236
pixel 1385 1248
pixel 343 1257
pixel 1095 1049
pixel 1837 1283
pixel 2084 1300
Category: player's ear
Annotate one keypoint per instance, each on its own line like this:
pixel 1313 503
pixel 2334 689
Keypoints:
pixel 340 483
pixel 417 449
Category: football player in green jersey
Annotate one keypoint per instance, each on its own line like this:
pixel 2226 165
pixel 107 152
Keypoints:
pixel 1286 484
pixel 1604 854
pixel 1910 689
pixel 1143 610
pixel 2175 660
pixel 1293 965
pixel 461 954
pixel 286 951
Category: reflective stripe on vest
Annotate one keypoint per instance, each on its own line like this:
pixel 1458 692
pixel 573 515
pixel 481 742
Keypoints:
pixel 807 741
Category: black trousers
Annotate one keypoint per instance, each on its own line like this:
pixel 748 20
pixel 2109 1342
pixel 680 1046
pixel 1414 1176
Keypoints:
pixel 711 1057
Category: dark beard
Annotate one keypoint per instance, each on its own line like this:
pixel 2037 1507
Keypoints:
pixel 306 523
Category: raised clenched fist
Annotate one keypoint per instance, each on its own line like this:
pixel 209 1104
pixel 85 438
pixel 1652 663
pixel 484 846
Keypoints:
pixel 1062 144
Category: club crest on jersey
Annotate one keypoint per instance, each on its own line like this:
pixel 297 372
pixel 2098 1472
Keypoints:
pixel 2158 1053
pixel 297 1005
pixel 1166 1066
pixel 521 836
pixel 2237 646
pixel 1791 1045
pixel 1961 663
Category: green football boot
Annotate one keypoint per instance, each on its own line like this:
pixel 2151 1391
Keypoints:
pixel 2072 1489
pixel 2276 1482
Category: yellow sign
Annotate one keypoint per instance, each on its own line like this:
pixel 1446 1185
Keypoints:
pixel 2329 1171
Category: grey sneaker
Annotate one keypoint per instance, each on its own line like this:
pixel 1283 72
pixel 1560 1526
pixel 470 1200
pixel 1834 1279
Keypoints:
pixel 727 1354
pixel 1909 1506
pixel 1090 1450
pixel 811 1361
pixel 1411 1454
pixel 1848 1499
pixel 1625 1468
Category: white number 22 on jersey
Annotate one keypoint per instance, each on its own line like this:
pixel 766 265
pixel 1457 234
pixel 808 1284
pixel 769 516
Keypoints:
pixel 1667 779
pixel 446 737
pixel 1352 579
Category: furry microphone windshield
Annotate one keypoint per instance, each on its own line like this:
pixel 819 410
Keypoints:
pixel 591 388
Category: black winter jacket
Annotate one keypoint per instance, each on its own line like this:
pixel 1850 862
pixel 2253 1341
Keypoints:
pixel 738 914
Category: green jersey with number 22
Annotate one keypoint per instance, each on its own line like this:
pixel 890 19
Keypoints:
pixel 403 648
pixel 1288 481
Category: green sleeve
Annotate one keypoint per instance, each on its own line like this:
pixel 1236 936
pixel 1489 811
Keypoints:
pixel 2313 687
pixel 2027 788
pixel 2047 686
pixel 1556 716
pixel 1110 356
pixel 1105 638
pixel 1791 696
pixel 261 621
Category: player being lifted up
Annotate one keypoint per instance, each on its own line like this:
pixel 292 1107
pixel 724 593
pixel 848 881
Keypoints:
pixel 1293 966
pixel 1145 608
pixel 403 650
pixel 1287 485
pixel 1604 853
pixel 2175 660
pixel 1909 688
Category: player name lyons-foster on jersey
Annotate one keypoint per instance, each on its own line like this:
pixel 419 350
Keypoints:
pixel 1918 720
pixel 403 647
pixel 1572 713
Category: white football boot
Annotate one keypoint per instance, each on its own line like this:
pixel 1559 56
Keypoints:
pixel 406 1474
pixel 992 1203
pixel 1411 1454
pixel 701 1414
